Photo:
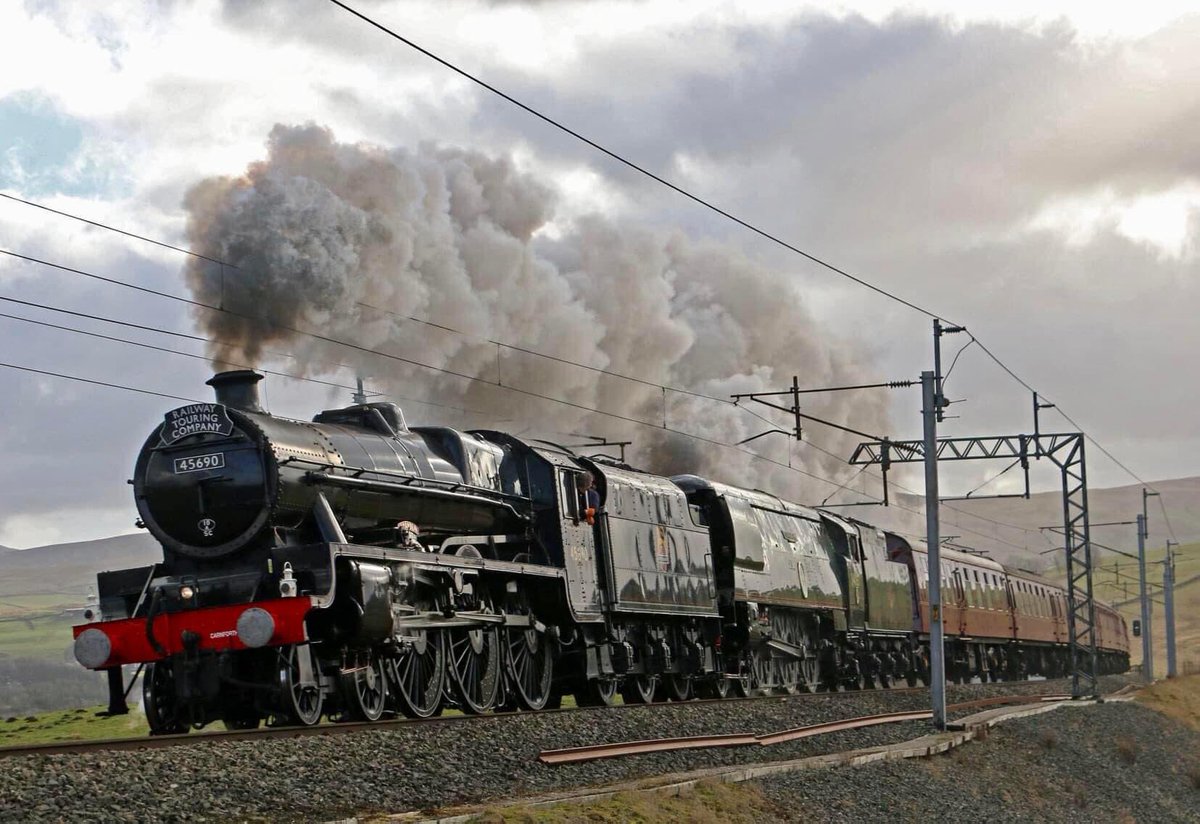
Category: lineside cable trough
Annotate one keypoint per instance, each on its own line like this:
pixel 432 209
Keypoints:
pixel 595 752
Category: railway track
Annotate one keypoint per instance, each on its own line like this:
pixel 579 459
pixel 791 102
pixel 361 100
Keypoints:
pixel 343 728
pixel 447 763
pixel 595 752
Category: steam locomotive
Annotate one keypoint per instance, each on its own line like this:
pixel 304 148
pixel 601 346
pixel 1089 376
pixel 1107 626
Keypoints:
pixel 354 566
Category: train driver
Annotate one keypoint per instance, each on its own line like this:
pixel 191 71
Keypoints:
pixel 589 498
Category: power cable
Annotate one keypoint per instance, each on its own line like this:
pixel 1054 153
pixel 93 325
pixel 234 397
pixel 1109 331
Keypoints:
pixel 995 477
pixel 953 363
pixel 186 336
pixel 1058 408
pixel 473 378
pixel 497 343
pixel 847 483
pixel 412 362
pixel 582 407
pixel 1167 518
pixel 641 169
pixel 423 321
pixel 235 364
pixel 911 491
pixel 706 204
pixel 98 383
pixel 524 350
pixel 99 225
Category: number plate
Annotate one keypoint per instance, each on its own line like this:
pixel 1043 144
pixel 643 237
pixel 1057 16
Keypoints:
pixel 198 463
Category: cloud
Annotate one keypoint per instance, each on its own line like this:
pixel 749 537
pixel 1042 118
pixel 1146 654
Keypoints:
pixel 951 160
pixel 323 235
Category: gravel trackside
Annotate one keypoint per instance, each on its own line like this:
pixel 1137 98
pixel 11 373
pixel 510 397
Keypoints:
pixel 425 766
pixel 1117 762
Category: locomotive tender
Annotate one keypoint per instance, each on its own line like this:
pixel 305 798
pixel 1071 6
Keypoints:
pixel 352 566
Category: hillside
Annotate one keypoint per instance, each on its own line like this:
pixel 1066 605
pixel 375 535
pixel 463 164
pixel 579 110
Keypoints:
pixel 1011 525
pixel 41 593
pixel 70 569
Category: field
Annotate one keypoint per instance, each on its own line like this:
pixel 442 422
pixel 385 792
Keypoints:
pixel 70 725
pixel 1119 586
pixel 41 635
pixel 1178 698
pixel 38 671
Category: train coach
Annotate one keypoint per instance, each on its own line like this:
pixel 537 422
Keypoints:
pixel 352 566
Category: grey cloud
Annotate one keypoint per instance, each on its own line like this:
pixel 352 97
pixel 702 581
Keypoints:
pixel 321 228
pixel 909 152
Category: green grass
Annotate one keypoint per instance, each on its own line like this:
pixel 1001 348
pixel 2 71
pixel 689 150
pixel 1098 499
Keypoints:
pixel 43 636
pixel 1113 585
pixel 38 602
pixel 70 725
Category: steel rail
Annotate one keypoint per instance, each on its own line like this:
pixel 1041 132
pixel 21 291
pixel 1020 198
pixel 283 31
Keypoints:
pixel 595 752
pixel 797 733
pixel 222 736
pixel 337 728
pixel 571 755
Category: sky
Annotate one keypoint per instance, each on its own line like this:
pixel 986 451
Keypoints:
pixel 1030 170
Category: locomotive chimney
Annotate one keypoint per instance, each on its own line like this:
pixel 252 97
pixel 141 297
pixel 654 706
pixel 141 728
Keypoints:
pixel 237 389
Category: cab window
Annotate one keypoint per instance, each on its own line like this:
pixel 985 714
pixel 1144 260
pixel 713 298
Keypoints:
pixel 569 495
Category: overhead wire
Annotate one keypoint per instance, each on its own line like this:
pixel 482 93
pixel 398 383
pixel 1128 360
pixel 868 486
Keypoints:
pixel 125 387
pixel 446 328
pixel 415 319
pixel 194 356
pixel 636 421
pixel 412 362
pixel 1167 518
pixel 710 206
pixel 995 477
pixel 524 350
pixel 629 163
pixel 953 363
pixel 201 339
pixel 100 225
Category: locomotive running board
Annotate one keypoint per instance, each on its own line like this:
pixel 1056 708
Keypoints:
pixel 433 560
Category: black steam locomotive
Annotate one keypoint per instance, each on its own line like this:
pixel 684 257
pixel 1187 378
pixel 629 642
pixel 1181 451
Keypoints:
pixel 353 566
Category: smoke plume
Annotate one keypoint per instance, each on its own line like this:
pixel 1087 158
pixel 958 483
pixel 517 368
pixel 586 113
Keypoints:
pixel 352 241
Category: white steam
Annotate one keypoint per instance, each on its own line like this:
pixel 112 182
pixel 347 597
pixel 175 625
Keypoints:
pixel 322 231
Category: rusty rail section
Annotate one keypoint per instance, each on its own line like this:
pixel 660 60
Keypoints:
pixel 573 755
pixel 811 730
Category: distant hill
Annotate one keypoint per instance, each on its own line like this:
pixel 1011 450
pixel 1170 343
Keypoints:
pixel 71 568
pixel 1007 529
pixel 1180 497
